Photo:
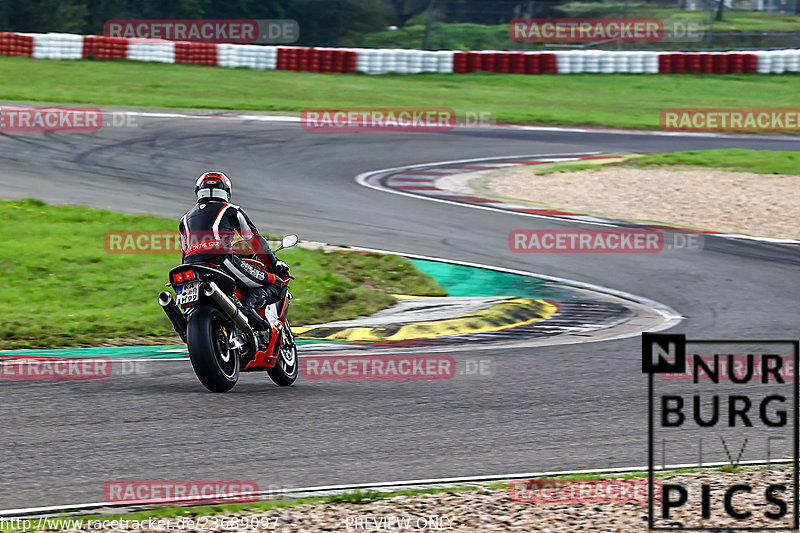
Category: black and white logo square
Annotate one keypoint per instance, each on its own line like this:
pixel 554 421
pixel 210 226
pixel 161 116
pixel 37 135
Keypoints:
pixel 662 353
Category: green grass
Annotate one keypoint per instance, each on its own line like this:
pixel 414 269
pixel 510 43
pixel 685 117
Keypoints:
pixel 583 99
pixel 64 289
pixel 356 496
pixel 734 159
pixel 759 161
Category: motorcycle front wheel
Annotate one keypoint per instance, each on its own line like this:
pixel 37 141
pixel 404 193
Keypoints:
pixel 208 337
pixel 288 366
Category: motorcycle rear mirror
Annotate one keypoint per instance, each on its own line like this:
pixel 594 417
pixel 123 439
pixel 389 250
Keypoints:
pixel 287 242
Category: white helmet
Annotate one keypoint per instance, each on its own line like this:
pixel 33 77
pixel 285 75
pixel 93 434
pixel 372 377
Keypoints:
pixel 213 185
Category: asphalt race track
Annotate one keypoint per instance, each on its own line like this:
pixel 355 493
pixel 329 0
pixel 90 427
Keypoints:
pixel 558 407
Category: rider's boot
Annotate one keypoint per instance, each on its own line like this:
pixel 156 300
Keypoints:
pixel 255 299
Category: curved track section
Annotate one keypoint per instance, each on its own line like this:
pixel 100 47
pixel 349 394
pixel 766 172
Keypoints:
pixel 62 440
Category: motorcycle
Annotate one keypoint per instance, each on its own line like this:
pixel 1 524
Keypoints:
pixel 208 315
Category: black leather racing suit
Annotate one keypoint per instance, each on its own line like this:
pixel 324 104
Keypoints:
pixel 207 233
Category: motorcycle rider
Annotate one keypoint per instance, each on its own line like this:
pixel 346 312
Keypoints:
pixel 207 234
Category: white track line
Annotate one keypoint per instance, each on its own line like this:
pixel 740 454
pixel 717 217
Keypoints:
pixel 556 129
pixel 431 482
pixel 660 133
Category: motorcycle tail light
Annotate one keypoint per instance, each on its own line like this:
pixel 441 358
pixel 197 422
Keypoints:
pixel 178 277
pixel 188 275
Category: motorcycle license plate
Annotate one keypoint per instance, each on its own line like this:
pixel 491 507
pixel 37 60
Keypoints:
pixel 188 293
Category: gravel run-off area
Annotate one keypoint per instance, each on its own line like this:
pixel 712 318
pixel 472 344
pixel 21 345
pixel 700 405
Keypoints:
pixel 490 510
pixel 766 205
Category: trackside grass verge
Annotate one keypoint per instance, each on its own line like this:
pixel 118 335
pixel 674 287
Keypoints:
pixel 620 100
pixel 734 159
pixel 366 496
pixel 64 289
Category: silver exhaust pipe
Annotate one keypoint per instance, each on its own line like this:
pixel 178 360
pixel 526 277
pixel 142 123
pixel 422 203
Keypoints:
pixel 230 309
pixel 173 313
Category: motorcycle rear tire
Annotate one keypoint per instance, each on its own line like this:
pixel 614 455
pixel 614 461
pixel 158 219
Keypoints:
pixel 207 350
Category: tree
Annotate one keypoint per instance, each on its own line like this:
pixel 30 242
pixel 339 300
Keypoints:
pixel 5 15
pixel 98 12
pixel 163 9
pixel 500 11
pixel 406 9
pixel 44 15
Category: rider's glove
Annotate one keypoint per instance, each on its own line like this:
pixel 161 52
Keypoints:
pixel 281 268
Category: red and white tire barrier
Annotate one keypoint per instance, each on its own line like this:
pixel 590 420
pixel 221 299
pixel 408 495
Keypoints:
pixel 401 61
pixel 57 46
pixel 16 44
pixel 105 47
pixel 247 55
